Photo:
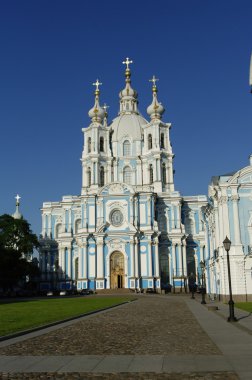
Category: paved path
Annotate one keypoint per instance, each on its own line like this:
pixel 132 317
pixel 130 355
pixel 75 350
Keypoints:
pixel 159 337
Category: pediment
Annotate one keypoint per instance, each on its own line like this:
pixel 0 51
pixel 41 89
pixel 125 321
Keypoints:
pixel 117 188
pixel 242 176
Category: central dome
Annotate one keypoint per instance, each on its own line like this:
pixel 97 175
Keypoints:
pixel 128 124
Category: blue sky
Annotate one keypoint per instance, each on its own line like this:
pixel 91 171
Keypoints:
pixel 51 53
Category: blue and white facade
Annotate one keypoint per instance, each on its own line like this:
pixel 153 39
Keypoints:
pixel 229 213
pixel 130 228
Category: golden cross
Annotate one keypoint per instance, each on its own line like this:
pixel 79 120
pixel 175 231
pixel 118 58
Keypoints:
pixel 127 62
pixel 97 84
pixel 17 197
pixel 154 80
pixel 105 107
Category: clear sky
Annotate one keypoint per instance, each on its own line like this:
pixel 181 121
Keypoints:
pixel 53 50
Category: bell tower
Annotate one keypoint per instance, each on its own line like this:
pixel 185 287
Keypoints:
pixel 96 156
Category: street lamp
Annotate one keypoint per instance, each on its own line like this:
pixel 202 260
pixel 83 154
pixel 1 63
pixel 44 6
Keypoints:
pixel 203 284
pixel 231 318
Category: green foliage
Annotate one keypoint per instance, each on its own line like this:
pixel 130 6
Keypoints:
pixel 16 242
pixel 246 306
pixel 18 316
pixel 16 234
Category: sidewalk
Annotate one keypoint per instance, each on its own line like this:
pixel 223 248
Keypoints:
pixel 234 343
pixel 244 318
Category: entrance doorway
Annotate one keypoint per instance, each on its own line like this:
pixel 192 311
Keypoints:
pixel 117 270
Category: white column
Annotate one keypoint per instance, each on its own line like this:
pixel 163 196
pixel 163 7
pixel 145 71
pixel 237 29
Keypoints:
pixel 201 252
pixel 93 173
pixel 115 170
pixel 225 216
pixel 174 271
pixel 221 222
pixel 49 225
pixel 170 268
pixel 69 269
pixel 80 266
pixel 157 270
pixel 132 258
pixel 84 261
pixel 172 216
pixel 184 270
pixel 69 220
pixel 146 173
pixel 217 229
pixel 60 258
pixel 157 169
pixel 63 261
pixel 43 225
pixel 179 253
pixel 236 221
pixel 139 173
pixel 166 213
pixel 170 173
pixel 108 178
pixel 150 274
pixel 196 265
pixel 149 210
pixel 83 176
pixel 131 210
pixel 85 214
pixel 100 264
pixel 136 259
pixel 154 165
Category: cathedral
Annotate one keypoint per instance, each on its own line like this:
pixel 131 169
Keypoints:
pixel 129 227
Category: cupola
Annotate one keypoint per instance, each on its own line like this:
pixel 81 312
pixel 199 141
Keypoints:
pixel 96 113
pixel 155 109
pixel 128 96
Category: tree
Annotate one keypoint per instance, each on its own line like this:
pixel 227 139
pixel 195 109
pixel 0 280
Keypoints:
pixel 16 234
pixel 16 244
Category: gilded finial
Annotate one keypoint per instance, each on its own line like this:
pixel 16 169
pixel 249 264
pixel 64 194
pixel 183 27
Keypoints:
pixel 97 84
pixel 154 80
pixel 17 197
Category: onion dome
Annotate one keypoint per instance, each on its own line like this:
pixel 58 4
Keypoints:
pixel 96 113
pixel 155 110
pixel 17 214
pixel 128 96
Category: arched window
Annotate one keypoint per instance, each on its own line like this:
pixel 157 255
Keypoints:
pixel 126 148
pixel 151 173
pixel 127 175
pixel 149 141
pixel 162 141
pixel 102 176
pixel 101 144
pixel 164 172
pixel 89 144
pixel 89 177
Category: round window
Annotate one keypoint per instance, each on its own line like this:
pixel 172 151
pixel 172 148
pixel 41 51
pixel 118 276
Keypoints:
pixel 116 218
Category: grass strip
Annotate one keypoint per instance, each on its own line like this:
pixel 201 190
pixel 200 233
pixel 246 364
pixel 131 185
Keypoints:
pixel 246 306
pixel 23 315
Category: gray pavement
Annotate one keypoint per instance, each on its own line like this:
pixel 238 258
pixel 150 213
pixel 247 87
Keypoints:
pixel 231 356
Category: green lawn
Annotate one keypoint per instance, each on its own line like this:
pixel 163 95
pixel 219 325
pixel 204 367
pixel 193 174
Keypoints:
pixel 247 306
pixel 22 315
